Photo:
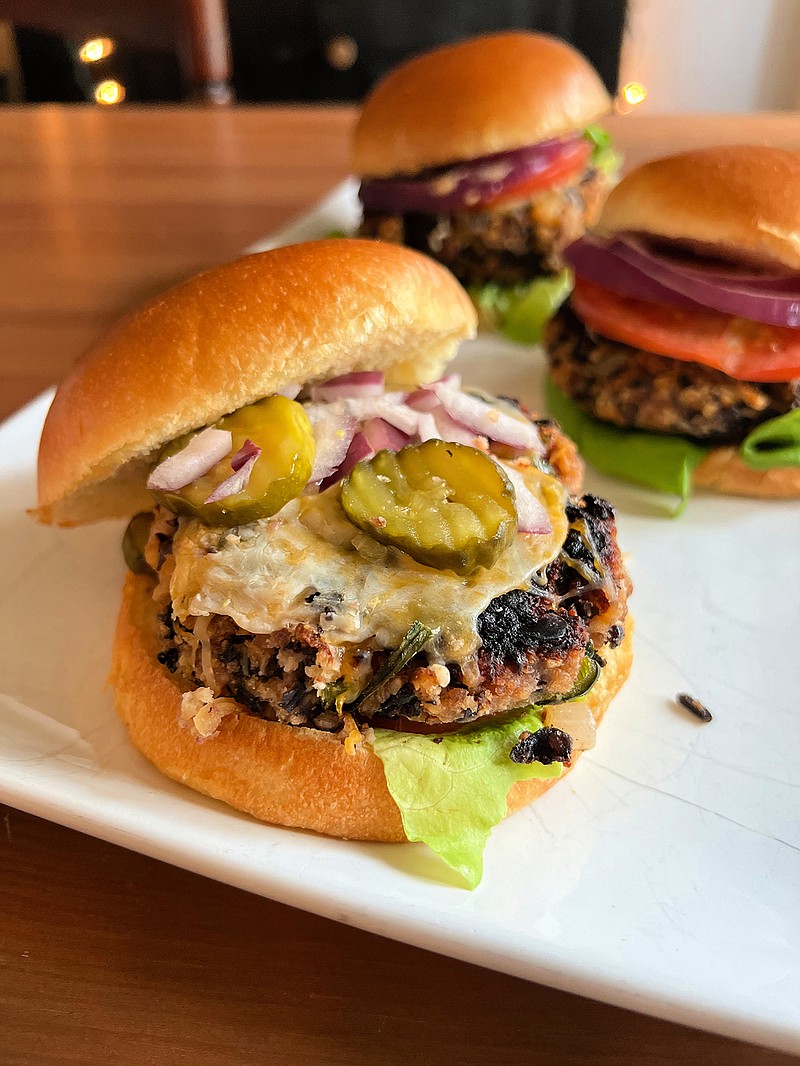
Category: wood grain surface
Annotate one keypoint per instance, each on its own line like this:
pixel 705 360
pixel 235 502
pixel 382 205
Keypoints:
pixel 110 957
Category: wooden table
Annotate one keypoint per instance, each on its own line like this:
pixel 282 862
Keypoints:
pixel 110 957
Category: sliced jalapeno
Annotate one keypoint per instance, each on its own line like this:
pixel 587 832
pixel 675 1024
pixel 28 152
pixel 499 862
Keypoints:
pixel 282 431
pixel 446 505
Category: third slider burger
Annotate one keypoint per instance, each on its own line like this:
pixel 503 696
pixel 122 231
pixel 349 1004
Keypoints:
pixel 486 155
pixel 351 580
pixel 677 358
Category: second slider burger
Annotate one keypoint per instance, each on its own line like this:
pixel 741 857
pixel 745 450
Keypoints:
pixel 361 598
pixel 486 156
pixel 676 360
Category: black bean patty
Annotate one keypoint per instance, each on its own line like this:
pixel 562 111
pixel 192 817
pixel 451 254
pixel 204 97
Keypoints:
pixel 532 641
pixel 630 387
pixel 504 245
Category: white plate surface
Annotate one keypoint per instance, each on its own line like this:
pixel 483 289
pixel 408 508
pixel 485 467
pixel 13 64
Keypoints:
pixel 662 875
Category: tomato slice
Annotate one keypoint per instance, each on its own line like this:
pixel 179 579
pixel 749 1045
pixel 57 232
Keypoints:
pixel 569 163
pixel 740 348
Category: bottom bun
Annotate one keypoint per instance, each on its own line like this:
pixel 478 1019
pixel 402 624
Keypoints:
pixel 281 774
pixel 723 470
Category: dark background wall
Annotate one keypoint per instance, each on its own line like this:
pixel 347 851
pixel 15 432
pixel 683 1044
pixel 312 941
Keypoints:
pixel 291 53
pixel 325 50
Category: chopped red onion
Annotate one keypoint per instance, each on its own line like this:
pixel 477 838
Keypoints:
pixel 426 427
pixel 334 430
pixel 487 421
pixel 247 451
pixel 454 431
pixel 290 391
pixel 359 449
pixel 382 435
pixel 532 516
pixel 390 407
pixel 423 399
pixel 360 384
pixel 239 479
pixel 200 455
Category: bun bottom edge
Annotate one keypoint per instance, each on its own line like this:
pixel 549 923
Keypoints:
pixel 284 775
pixel 724 471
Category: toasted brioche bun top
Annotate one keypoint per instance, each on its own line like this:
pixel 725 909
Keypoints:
pixel 485 95
pixel 738 202
pixel 227 338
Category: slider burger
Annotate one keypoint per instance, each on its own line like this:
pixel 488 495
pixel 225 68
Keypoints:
pixel 360 598
pixel 485 155
pixel 676 360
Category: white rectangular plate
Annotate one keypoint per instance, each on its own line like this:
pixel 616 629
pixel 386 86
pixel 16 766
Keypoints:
pixel 662 875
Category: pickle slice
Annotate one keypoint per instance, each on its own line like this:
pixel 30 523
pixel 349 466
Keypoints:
pixel 136 535
pixel 446 505
pixel 281 428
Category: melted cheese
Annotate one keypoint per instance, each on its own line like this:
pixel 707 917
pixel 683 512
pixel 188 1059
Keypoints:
pixel 309 564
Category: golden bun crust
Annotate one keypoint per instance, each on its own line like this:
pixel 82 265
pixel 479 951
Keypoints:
pixel 229 337
pixel 485 95
pixel 741 202
pixel 723 470
pixel 279 774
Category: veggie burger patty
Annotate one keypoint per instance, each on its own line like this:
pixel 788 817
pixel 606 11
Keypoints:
pixel 533 641
pixel 507 244
pixel 633 388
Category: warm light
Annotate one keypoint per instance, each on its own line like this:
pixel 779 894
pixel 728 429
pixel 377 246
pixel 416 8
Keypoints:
pixel 634 93
pixel 109 92
pixel 96 48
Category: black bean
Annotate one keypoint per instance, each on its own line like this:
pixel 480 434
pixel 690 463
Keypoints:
pixel 550 628
pixel 169 658
pixel 546 745
pixel 615 635
pixel 698 709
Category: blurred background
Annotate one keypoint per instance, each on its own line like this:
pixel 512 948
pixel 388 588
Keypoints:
pixel 657 55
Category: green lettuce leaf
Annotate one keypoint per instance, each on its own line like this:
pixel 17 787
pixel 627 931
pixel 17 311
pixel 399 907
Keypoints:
pixel 520 312
pixel 659 461
pixel 603 157
pixel 773 443
pixel 451 788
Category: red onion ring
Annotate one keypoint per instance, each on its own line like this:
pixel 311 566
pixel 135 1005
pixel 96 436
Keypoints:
pixel 628 267
pixel 786 280
pixel 467 184
pixel 592 259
